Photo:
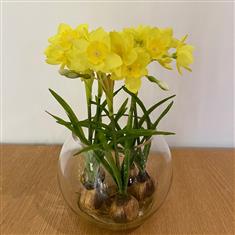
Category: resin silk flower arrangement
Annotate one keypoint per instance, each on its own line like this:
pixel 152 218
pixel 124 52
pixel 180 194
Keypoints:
pixel 110 148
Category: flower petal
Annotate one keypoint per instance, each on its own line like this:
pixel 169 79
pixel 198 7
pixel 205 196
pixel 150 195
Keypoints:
pixel 63 27
pixel 130 57
pixel 133 84
pixel 113 61
pixel 80 45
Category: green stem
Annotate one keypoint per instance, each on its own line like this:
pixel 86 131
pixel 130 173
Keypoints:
pixel 89 118
pixel 115 170
pixel 114 137
pixel 88 86
pixel 128 144
pixel 110 166
pixel 136 126
pixel 145 155
pixel 98 117
pixel 108 87
pixel 136 123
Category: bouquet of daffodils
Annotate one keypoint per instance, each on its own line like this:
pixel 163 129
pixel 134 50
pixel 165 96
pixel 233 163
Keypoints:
pixel 121 151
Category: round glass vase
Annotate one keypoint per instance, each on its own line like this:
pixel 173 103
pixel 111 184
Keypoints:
pixel 91 192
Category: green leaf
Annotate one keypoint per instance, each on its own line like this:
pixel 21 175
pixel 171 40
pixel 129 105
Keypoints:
pixel 100 156
pixel 125 169
pixel 110 159
pixel 164 133
pixel 62 122
pixel 95 125
pixel 88 148
pixel 151 109
pixel 102 108
pixel 146 154
pixel 67 108
pixel 98 118
pixel 128 145
pixel 136 124
pixel 71 115
pixel 138 132
pixel 139 159
pixel 145 133
pixel 58 119
pixel 114 94
pixel 121 110
pixel 140 103
pixel 162 114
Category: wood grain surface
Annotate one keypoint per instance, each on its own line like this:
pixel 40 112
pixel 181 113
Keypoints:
pixel 201 200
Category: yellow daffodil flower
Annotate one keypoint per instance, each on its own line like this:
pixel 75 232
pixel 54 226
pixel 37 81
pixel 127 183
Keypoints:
pixel 122 55
pixel 184 55
pixel 94 53
pixel 140 34
pixel 158 42
pixel 132 73
pixel 165 62
pixel 62 42
pixel 123 45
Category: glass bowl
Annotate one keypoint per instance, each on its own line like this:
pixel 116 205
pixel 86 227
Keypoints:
pixel 71 179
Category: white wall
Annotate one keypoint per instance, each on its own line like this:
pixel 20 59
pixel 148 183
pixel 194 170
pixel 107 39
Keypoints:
pixel 203 110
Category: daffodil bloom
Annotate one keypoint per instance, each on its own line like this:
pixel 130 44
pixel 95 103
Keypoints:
pixel 62 42
pixel 158 42
pixel 140 34
pixel 94 53
pixel 123 45
pixel 118 55
pixel 184 55
pixel 133 73
pixel 165 62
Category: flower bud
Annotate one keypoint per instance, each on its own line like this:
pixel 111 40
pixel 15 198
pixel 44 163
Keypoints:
pixel 163 85
pixel 68 73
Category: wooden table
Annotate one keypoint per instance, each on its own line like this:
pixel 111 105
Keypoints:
pixel 201 200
